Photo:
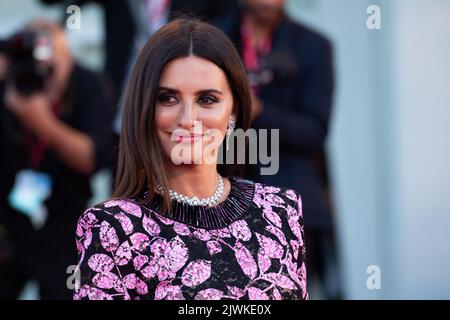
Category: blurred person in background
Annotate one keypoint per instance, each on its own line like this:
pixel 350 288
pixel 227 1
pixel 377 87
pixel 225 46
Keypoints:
pixel 290 69
pixel 128 24
pixel 55 133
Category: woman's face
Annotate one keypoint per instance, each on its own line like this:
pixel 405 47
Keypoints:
pixel 193 106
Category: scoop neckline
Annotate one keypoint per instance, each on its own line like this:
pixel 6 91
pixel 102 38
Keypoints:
pixel 235 205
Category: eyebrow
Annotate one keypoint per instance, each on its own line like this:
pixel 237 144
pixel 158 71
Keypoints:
pixel 204 91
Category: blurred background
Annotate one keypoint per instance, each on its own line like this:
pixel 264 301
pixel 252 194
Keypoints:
pixel 384 169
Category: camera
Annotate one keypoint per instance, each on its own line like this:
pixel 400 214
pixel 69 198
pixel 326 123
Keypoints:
pixel 29 54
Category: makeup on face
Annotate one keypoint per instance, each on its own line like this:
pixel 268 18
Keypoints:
pixel 193 104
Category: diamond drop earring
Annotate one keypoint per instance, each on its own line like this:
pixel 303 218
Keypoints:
pixel 231 126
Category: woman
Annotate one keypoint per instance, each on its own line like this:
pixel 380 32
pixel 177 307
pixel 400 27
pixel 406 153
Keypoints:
pixel 176 228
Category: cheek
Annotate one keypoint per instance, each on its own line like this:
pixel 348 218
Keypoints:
pixel 164 118
pixel 214 122
pixel 164 122
pixel 216 118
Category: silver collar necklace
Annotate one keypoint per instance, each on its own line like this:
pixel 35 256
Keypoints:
pixel 195 201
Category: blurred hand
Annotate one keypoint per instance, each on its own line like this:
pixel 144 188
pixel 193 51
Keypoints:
pixel 257 107
pixel 33 112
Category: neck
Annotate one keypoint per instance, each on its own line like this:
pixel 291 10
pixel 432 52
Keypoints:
pixel 193 180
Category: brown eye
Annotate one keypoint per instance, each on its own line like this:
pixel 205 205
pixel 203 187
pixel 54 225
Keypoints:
pixel 207 100
pixel 167 99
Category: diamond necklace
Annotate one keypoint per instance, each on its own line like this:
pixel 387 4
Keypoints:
pixel 195 201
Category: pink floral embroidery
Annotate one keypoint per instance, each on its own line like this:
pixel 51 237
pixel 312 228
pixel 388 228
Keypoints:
pixel 278 233
pixel 126 206
pixel 151 270
pixel 202 234
pixel 181 229
pixel 158 246
pixel 296 247
pixel 123 254
pixel 150 226
pixel 272 217
pixel 213 247
pixel 270 247
pixel 276 294
pixel 292 270
pixel 221 233
pixel 279 279
pixel 165 220
pixel 141 287
pixel 139 261
pixel 236 292
pixel 140 241
pixel 125 222
pixel 245 260
pixel 257 294
pixel 196 272
pixel 97 294
pixel 291 195
pixel 209 294
pixel 108 237
pixel 127 251
pixel 264 262
pixel 240 230
pixel 165 290
pixel 100 263
pixel 105 280
pixel 129 281
pixel 295 227
pixel 176 254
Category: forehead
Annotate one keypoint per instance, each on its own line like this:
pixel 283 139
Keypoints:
pixel 193 73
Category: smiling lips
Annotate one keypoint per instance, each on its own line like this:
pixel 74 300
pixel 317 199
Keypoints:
pixel 186 138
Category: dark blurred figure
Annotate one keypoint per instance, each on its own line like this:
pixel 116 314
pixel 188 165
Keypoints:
pixel 55 133
pixel 129 24
pixel 290 69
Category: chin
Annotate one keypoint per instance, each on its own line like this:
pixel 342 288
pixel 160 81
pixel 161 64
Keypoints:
pixel 184 155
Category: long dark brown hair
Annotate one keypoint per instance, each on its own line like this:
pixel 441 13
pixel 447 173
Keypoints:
pixel 140 162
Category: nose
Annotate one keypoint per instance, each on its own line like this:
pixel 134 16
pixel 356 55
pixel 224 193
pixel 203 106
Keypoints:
pixel 186 119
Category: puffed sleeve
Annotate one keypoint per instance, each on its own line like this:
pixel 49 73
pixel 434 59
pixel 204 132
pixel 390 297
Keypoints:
pixel 104 270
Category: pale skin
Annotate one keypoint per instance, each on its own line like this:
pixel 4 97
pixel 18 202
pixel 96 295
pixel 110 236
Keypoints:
pixel 200 93
pixel 75 148
pixel 192 90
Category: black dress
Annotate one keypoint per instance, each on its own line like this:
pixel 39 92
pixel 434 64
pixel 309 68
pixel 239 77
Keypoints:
pixel 248 247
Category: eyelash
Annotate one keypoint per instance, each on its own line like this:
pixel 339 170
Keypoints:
pixel 164 97
pixel 210 98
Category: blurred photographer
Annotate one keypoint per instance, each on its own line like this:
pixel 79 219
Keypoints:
pixel 290 68
pixel 55 133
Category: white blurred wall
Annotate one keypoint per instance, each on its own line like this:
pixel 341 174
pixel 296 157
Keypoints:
pixel 421 156
pixel 390 143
